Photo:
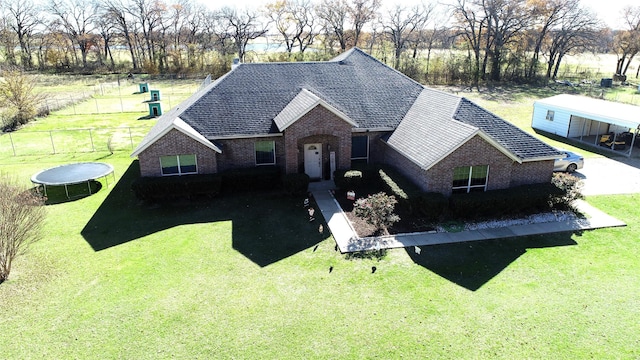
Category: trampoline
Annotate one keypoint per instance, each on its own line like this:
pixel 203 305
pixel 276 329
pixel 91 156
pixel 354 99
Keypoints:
pixel 72 174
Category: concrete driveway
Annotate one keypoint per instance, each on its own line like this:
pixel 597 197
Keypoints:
pixel 602 176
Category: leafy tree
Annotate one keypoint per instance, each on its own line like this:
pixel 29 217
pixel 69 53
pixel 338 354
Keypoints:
pixel 377 210
pixel 21 220
pixel 18 98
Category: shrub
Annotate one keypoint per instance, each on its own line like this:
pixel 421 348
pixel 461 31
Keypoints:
pixel 172 187
pixel 296 184
pixel 251 179
pixel 347 179
pixel 430 205
pixel 527 199
pixel 570 188
pixel 377 210
pixel 405 190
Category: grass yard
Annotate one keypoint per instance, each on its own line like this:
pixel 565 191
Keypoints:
pixel 248 276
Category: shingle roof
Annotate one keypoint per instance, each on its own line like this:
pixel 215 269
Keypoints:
pixel 516 141
pixel 258 99
pixel 252 95
pixel 428 132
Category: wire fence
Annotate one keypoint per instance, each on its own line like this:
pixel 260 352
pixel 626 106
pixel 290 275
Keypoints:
pixel 115 97
pixel 23 143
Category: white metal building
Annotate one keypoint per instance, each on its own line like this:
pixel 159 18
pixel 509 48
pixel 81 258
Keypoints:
pixel 594 121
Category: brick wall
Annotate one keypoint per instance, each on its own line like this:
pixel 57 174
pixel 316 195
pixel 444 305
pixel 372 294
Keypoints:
pixel 535 172
pixel 240 153
pixel 405 166
pixel 318 126
pixel 176 143
pixel 474 152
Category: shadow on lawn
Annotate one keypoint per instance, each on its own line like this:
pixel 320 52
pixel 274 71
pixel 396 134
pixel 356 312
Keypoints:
pixel 473 264
pixel 266 227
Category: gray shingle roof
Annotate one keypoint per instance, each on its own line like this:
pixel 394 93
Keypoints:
pixel 250 100
pixel 252 95
pixel 521 144
pixel 428 132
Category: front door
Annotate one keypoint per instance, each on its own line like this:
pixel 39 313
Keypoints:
pixel 313 160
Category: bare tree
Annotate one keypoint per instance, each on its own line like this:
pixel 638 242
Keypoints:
pixel 627 42
pixel 401 24
pixel 471 23
pixel 577 31
pixel 148 14
pixel 241 26
pixel 24 18
pixel 547 14
pixel 21 219
pixel 106 29
pixel 76 17
pixel 506 19
pixel 333 16
pixel 114 11
pixel 295 22
pixel 362 12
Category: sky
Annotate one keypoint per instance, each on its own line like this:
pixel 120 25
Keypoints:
pixel 607 10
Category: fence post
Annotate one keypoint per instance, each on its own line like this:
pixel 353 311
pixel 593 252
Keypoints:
pixel 93 148
pixel 97 108
pixel 14 148
pixel 52 144
pixel 120 96
pixel 130 137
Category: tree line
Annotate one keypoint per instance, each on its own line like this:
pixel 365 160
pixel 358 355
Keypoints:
pixel 462 40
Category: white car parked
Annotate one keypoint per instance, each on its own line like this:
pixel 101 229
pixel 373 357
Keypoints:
pixel 569 163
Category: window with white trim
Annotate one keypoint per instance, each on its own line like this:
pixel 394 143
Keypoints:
pixel 360 148
pixel 265 152
pixel 178 164
pixel 550 115
pixel 467 179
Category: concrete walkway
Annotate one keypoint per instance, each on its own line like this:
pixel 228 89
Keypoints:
pixel 348 241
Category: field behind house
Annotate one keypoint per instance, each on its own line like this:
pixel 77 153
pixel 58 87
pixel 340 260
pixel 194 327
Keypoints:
pixel 248 276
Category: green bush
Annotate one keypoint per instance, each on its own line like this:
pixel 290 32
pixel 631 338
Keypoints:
pixel 348 179
pixel 172 187
pixel 405 190
pixel 527 199
pixel 430 205
pixel 295 184
pixel 251 179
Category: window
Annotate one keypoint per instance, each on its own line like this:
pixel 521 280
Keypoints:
pixel 178 165
pixel 470 178
pixel 359 147
pixel 265 152
pixel 550 114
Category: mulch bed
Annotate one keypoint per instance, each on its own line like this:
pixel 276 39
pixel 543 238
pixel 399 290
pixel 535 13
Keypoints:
pixel 408 223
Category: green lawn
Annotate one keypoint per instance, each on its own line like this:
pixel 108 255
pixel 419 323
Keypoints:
pixel 248 276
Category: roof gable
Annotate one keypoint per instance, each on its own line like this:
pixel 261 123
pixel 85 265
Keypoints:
pixel 164 128
pixel 304 102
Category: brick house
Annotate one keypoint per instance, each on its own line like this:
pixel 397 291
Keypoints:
pixel 315 117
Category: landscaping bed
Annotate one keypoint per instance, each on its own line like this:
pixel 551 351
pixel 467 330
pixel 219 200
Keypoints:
pixel 426 212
